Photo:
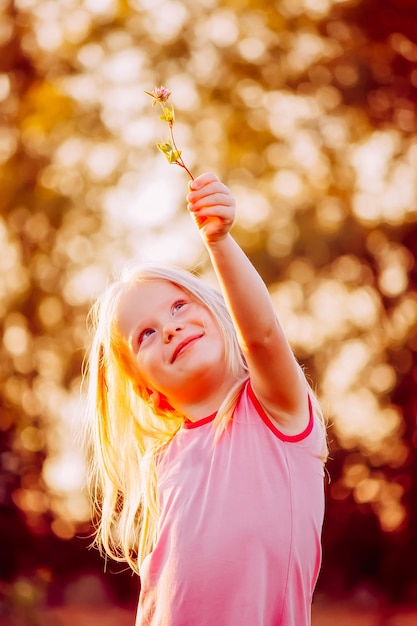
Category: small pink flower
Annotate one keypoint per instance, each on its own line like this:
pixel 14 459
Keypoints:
pixel 160 94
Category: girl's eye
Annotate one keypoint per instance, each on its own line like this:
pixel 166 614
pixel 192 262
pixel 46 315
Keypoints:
pixel 145 334
pixel 178 305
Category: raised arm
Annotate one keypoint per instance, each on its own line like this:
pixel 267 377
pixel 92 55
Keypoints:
pixel 276 378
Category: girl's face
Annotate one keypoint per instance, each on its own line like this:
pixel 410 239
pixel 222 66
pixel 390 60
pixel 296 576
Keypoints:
pixel 175 340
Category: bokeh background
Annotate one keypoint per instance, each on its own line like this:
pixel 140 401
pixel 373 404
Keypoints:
pixel 307 110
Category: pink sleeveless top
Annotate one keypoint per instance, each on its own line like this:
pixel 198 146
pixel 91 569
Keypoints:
pixel 240 526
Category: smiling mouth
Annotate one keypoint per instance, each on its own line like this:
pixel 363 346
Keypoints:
pixel 183 345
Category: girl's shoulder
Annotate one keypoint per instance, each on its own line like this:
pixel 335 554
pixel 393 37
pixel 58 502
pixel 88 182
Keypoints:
pixel 250 410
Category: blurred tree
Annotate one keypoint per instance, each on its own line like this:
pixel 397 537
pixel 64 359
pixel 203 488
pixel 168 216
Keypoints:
pixel 42 328
pixel 308 111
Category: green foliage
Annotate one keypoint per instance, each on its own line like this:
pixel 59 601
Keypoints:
pixel 168 151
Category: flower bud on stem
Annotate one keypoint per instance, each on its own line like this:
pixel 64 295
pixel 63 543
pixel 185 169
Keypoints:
pixel 169 149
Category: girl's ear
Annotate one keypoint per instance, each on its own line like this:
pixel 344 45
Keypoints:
pixel 163 404
pixel 157 400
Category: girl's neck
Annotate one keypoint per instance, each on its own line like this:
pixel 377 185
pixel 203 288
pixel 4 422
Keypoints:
pixel 209 401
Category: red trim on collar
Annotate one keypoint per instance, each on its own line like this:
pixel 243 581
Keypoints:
pixel 205 420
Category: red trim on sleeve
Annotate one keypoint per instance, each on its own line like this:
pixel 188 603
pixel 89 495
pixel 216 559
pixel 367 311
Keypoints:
pixel 273 428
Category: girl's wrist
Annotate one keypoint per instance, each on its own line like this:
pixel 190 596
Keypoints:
pixel 218 244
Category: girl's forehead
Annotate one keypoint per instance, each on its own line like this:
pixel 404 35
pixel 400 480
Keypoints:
pixel 145 294
pixel 142 299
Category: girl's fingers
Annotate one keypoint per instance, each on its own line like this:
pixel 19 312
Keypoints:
pixel 212 200
pixel 212 193
pixel 202 180
pixel 209 189
pixel 206 184
pixel 218 217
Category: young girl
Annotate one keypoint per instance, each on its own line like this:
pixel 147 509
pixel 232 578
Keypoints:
pixel 207 444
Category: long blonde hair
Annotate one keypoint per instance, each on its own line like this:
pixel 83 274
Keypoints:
pixel 123 432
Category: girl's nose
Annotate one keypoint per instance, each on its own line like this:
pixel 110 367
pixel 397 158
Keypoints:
pixel 170 330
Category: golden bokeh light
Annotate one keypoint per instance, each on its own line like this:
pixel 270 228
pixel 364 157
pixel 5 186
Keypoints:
pixel 322 163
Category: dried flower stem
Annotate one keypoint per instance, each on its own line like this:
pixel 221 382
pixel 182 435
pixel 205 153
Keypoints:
pixel 169 149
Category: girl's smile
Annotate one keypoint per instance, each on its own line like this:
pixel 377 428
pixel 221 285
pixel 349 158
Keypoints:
pixel 183 345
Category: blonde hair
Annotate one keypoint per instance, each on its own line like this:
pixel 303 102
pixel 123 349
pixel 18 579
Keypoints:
pixel 124 433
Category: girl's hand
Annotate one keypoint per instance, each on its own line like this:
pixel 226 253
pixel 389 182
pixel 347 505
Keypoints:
pixel 212 205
